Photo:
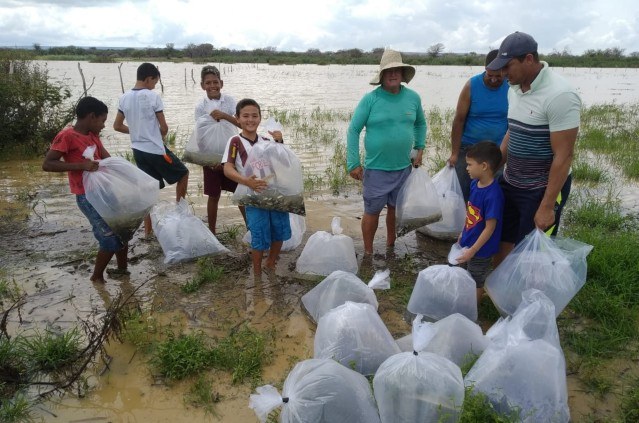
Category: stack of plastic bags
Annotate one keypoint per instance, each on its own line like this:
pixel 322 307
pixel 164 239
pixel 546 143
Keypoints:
pixel 417 202
pixel 418 386
pixel 121 193
pixel 339 287
pixel 276 164
pixel 354 335
pixel 325 253
pixel 318 391
pixel 555 267
pixel 298 228
pixel 208 141
pixel 181 234
pixel 452 204
pixel 442 290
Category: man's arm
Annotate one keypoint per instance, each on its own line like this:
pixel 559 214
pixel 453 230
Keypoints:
pixel 461 112
pixel 119 125
pixel 164 128
pixel 504 148
pixel 563 147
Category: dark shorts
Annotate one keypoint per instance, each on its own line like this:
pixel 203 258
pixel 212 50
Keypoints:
pixel 159 168
pixel 215 181
pixel 520 206
pixel 479 268
pixel 107 239
pixel 267 226
pixel 381 188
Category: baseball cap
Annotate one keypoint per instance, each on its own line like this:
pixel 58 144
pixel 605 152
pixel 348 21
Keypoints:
pixel 514 45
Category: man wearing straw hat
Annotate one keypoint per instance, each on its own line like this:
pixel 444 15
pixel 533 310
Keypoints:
pixel 395 124
pixel 543 122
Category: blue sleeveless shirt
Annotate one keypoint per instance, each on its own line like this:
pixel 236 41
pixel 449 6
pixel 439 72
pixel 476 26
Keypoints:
pixel 487 118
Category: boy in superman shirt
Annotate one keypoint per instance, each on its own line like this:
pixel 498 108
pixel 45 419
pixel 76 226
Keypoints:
pixel 482 231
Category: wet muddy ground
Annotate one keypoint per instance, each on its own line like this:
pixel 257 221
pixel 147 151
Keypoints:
pixel 48 250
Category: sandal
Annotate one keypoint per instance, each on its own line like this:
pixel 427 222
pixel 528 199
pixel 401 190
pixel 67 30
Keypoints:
pixel 118 272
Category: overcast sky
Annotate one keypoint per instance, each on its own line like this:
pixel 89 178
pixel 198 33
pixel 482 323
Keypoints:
pixel 329 25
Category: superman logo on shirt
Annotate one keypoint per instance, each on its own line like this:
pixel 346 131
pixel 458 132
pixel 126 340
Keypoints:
pixel 473 216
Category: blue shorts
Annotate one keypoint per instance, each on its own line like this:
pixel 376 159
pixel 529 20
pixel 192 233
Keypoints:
pixel 381 188
pixel 107 239
pixel 159 168
pixel 520 206
pixel 267 226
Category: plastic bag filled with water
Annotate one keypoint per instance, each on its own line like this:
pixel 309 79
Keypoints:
pixel 208 141
pixel 452 203
pixel 417 202
pixel 325 253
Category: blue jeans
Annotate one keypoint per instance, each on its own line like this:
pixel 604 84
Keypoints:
pixel 107 239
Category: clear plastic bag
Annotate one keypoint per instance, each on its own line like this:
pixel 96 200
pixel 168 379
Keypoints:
pixel 318 391
pixel 455 252
pixel 181 234
pixel 339 287
pixel 282 170
pixel 418 387
pixel 122 194
pixel 452 203
pixel 298 228
pixel 529 376
pixel 417 203
pixel 354 335
pixel 454 337
pixel 208 141
pixel 556 268
pixel 442 290
pixel 325 253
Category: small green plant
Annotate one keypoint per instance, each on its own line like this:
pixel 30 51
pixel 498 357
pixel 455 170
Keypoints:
pixel 52 351
pixel 181 356
pixel 15 410
pixel 140 329
pixel 206 274
pixel 630 403
pixel 587 173
pixel 478 408
pixel 229 233
pixel 592 374
pixel 201 395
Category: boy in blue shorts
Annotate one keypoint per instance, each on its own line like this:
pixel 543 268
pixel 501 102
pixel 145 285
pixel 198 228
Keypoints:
pixel 69 145
pixel 219 106
pixel 482 231
pixel 144 112
pixel 269 228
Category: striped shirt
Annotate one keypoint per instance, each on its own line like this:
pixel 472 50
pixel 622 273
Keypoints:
pixel 550 105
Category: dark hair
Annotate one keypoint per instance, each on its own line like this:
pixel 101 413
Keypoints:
pixel 485 152
pixel 246 102
pixel 210 70
pixel 88 105
pixel 535 56
pixel 146 70
pixel 491 56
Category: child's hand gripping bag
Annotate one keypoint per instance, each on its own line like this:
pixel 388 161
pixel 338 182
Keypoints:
pixel 208 141
pixel 122 194
pixel 417 202
pixel 325 253
pixel 451 199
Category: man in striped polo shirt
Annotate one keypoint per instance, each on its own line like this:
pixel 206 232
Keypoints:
pixel 543 122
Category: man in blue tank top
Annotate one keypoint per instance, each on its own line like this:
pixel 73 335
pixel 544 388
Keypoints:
pixel 481 115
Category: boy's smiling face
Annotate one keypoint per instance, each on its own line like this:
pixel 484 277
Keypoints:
pixel 249 119
pixel 212 85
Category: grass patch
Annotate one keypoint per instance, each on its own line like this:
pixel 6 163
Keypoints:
pixel 206 274
pixel 229 233
pixel 15 410
pixel 477 408
pixel 140 329
pixel 630 403
pixel 587 173
pixel 201 395
pixel 180 356
pixel 50 352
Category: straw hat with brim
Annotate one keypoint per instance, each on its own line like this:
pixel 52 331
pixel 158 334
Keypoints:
pixel 393 59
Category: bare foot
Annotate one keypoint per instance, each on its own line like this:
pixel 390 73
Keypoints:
pixel 97 279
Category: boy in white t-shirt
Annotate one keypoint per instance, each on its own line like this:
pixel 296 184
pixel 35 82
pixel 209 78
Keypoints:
pixel 144 113
pixel 220 107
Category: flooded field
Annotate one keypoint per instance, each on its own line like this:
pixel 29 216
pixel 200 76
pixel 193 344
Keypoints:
pixel 48 248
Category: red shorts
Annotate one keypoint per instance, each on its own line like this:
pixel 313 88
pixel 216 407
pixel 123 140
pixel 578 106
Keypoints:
pixel 215 182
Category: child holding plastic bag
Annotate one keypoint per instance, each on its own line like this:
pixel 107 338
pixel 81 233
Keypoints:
pixel 70 145
pixel 482 231
pixel 269 228
pixel 219 107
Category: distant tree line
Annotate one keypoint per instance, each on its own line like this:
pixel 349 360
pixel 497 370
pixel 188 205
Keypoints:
pixel 206 52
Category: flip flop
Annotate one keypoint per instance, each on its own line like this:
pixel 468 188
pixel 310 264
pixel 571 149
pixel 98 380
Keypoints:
pixel 117 272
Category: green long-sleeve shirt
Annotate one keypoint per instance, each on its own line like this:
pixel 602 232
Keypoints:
pixel 395 124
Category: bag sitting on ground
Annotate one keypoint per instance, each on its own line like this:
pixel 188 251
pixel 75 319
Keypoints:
pixel 122 194
pixel 529 377
pixel 417 202
pixel 533 319
pixel 276 164
pixel 454 337
pixel 354 335
pixel 418 387
pixel 298 228
pixel 318 391
pixel 453 207
pixel 325 253
pixel 442 290
pixel 555 267
pixel 181 234
pixel 208 141
pixel 340 287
